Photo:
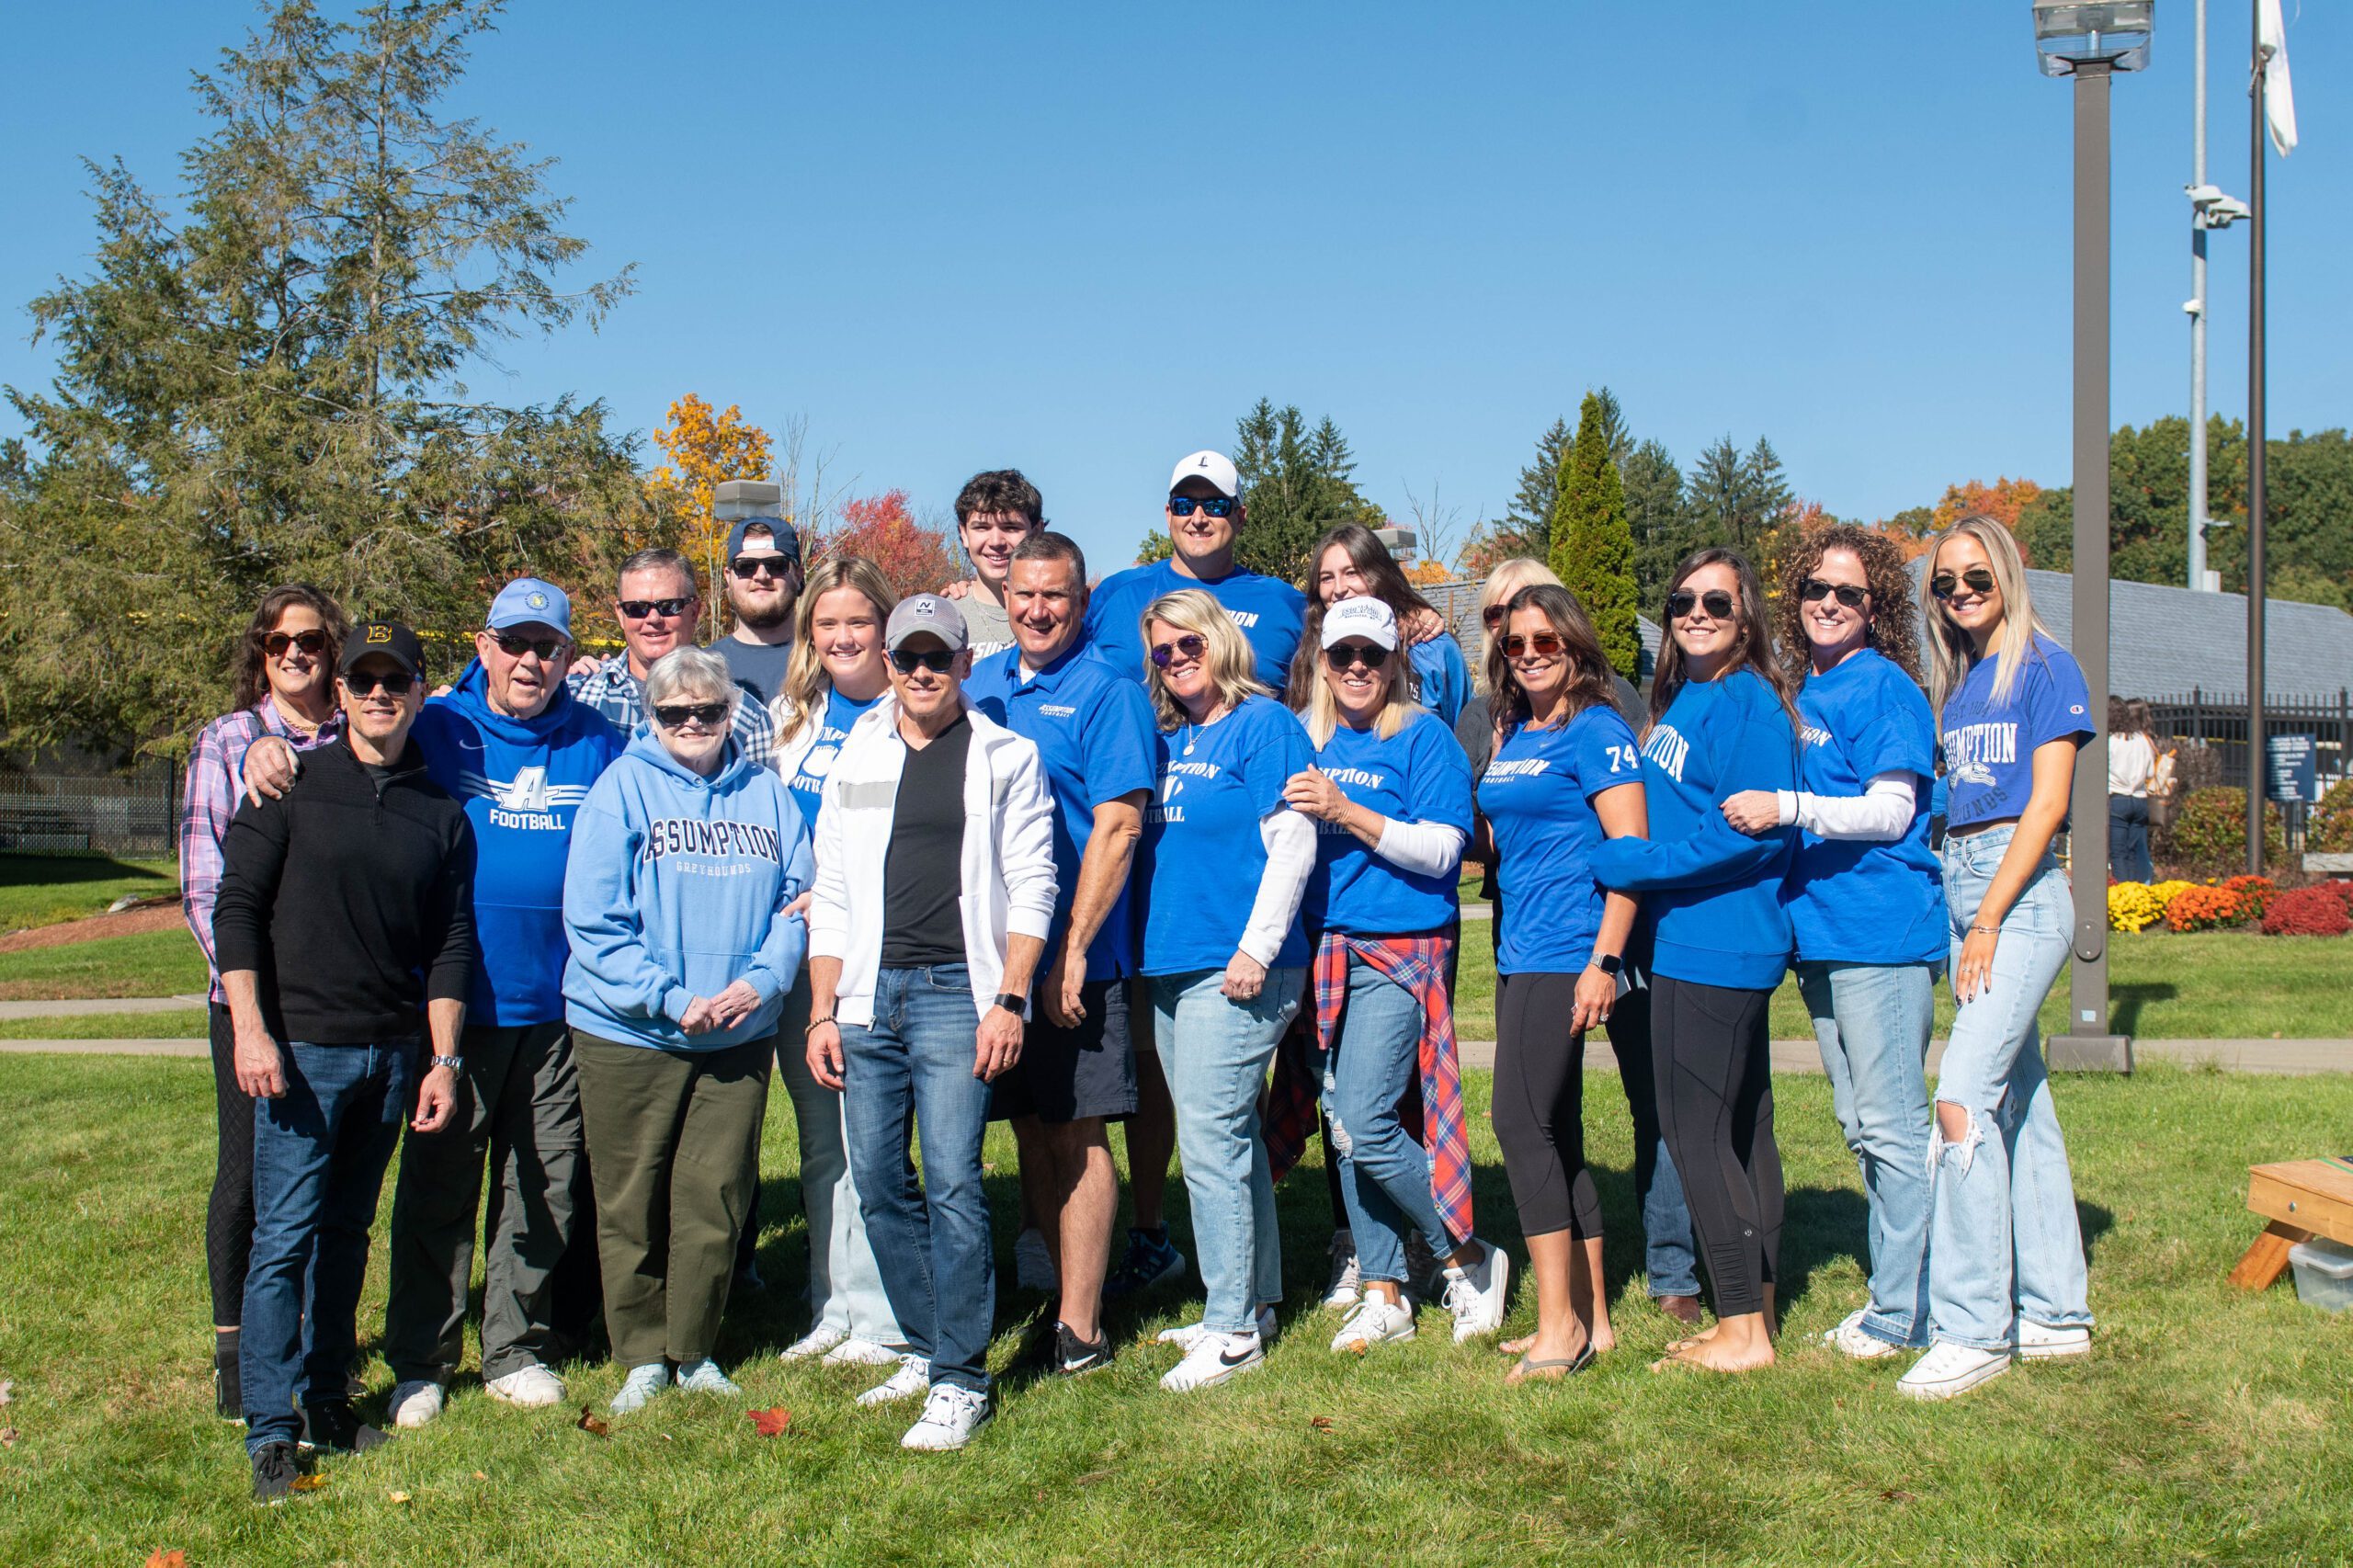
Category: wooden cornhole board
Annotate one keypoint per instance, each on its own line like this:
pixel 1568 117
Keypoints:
pixel 2302 1198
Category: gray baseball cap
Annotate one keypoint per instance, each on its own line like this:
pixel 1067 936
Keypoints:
pixel 926 612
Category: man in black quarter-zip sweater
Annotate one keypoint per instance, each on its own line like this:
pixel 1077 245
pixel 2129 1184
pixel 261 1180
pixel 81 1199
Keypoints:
pixel 345 929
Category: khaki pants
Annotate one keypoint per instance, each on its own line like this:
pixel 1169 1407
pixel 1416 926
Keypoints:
pixel 673 1138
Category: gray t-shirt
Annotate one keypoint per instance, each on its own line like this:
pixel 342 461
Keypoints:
pixel 987 629
pixel 757 667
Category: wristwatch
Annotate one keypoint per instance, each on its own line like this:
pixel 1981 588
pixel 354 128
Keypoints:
pixel 1012 1003
pixel 454 1063
pixel 1608 964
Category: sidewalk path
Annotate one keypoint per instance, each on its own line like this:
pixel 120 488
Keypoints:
pixel 96 1004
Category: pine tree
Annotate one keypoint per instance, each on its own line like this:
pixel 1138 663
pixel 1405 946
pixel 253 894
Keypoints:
pixel 1593 548
pixel 1296 485
pixel 1530 521
pixel 1656 513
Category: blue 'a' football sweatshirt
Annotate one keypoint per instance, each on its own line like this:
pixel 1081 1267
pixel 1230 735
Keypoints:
pixel 1712 895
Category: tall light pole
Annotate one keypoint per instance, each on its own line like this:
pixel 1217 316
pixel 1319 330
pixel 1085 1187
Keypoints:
pixel 2091 43
pixel 2209 209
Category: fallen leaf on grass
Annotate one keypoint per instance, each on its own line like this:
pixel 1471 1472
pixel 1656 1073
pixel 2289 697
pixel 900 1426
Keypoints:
pixel 1321 1423
pixel 159 1558
pixel 8 1436
pixel 7 1392
pixel 770 1423
pixel 589 1422
pixel 396 1497
pixel 311 1483
pixel 1092 1476
pixel 1897 1497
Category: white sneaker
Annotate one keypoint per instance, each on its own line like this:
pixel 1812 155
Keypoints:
pixel 417 1401
pixel 950 1417
pixel 1374 1323
pixel 1213 1359
pixel 857 1352
pixel 1478 1295
pixel 1949 1369
pixel 704 1377
pixel 643 1383
pixel 2040 1342
pixel 1849 1339
pixel 1344 1289
pixel 1033 1265
pixel 912 1379
pixel 814 1343
pixel 532 1387
pixel 1185 1337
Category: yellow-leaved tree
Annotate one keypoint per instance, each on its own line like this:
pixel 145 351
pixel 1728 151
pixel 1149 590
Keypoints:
pixel 705 448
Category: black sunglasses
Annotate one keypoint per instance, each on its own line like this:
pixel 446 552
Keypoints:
pixel 515 647
pixel 1715 601
pixel 1848 594
pixel 638 609
pixel 1493 616
pixel 1192 645
pixel 1215 506
pixel 671 715
pixel 1979 580
pixel 748 567
pixel 363 683
pixel 275 644
pixel 936 660
pixel 1341 655
pixel 1544 644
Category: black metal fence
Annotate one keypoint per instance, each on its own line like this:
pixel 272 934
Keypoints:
pixel 112 813
pixel 2219 723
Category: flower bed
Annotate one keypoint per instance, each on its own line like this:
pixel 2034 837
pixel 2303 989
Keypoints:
pixel 2325 909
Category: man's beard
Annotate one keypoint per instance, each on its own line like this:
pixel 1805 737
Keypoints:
pixel 764 618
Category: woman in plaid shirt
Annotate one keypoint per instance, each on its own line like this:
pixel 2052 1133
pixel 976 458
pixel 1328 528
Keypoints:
pixel 285 687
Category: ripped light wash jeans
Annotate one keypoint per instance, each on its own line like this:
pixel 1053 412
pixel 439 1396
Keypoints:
pixel 2004 1239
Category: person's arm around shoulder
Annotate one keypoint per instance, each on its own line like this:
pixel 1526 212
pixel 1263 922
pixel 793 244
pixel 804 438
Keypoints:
pixel 1753 752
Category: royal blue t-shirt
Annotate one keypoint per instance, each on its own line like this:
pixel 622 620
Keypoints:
pixel 1203 855
pixel 1989 750
pixel 1851 902
pixel 1096 736
pixel 1271 612
pixel 1445 675
pixel 1536 796
pixel 808 782
pixel 1418 775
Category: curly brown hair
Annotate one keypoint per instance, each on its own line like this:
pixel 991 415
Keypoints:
pixel 1895 628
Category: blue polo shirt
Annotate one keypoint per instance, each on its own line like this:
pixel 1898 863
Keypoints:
pixel 1096 736
pixel 1270 613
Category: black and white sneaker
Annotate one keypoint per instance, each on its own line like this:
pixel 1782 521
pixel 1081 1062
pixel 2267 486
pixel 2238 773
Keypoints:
pixel 336 1427
pixel 276 1466
pixel 1074 1357
pixel 1212 1360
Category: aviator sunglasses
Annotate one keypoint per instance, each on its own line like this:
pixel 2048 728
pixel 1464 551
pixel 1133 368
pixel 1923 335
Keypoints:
pixel 1715 601
pixel 1978 580
pixel 1847 594
pixel 1191 645
pixel 1215 506
pixel 1544 645
pixel 670 716
pixel 276 643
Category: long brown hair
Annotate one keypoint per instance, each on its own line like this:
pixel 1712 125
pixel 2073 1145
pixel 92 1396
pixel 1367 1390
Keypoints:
pixel 1894 620
pixel 252 675
pixel 1381 575
pixel 1589 679
pixel 1754 651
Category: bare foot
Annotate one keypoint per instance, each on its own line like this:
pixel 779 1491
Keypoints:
pixel 1604 1338
pixel 1516 1347
pixel 1693 1341
pixel 1719 1357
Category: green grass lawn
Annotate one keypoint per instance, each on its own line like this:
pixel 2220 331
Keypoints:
pixel 41 890
pixel 2208 985
pixel 153 963
pixel 2208 1426
pixel 190 1023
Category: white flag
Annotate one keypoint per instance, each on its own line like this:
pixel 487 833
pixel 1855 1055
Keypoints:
pixel 2279 99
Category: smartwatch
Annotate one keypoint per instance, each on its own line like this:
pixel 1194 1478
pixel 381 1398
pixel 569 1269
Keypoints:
pixel 1012 1003
pixel 1608 964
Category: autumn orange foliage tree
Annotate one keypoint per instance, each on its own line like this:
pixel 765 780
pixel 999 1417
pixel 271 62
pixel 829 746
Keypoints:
pixel 915 559
pixel 705 447
pixel 2003 501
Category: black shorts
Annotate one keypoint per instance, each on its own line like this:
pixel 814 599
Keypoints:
pixel 1071 1075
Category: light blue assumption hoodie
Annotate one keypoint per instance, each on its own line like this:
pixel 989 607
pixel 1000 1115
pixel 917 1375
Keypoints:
pixel 677 888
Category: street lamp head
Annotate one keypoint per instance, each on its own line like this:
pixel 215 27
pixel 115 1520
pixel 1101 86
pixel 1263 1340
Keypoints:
pixel 2111 34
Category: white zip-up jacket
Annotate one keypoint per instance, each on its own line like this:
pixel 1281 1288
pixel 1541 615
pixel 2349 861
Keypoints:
pixel 1007 867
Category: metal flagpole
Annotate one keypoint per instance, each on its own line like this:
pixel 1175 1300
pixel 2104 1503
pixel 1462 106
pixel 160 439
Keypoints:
pixel 2198 321
pixel 2256 768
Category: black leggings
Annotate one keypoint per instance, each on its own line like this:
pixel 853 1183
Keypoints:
pixel 229 1216
pixel 1715 1109
pixel 1540 1104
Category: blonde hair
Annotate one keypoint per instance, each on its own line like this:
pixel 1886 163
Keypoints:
pixel 1232 667
pixel 802 702
pixel 1506 581
pixel 1320 707
pixel 1950 652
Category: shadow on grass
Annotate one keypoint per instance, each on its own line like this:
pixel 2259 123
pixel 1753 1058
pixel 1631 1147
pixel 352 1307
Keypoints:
pixel 41 870
pixel 2125 1002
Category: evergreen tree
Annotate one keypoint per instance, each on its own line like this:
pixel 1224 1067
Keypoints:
pixel 1593 549
pixel 1296 485
pixel 270 388
pixel 1528 523
pixel 1656 515
pixel 1735 500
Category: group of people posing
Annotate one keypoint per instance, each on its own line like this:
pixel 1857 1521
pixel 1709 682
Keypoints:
pixel 1181 851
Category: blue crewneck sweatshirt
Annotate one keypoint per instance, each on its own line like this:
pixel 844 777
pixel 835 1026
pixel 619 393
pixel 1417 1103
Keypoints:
pixel 1712 895
pixel 521 782
pixel 677 888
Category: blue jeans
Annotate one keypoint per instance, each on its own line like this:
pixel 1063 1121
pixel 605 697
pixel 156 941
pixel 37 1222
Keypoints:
pixel 912 1068
pixel 320 1151
pixel 1214 1052
pixel 1873 1022
pixel 845 1283
pixel 2128 839
pixel 1384 1174
pixel 2004 1239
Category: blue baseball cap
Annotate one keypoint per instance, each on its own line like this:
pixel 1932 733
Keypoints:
pixel 528 599
pixel 787 541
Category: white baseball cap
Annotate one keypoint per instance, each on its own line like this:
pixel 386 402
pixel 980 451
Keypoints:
pixel 1215 467
pixel 1367 618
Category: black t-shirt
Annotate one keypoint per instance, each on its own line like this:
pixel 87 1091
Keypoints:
pixel 757 667
pixel 923 922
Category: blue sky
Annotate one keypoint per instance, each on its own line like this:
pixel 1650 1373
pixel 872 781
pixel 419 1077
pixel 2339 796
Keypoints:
pixel 1081 240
